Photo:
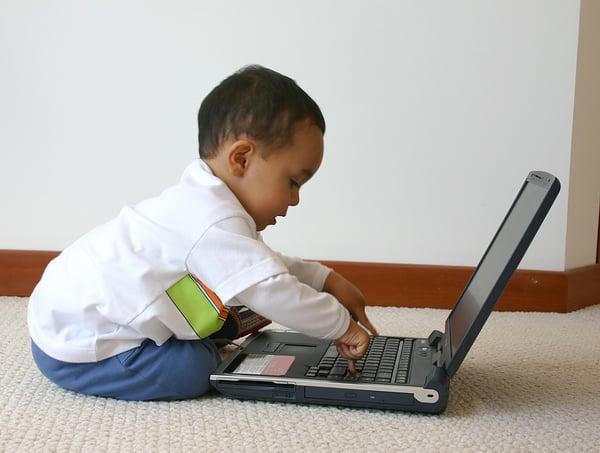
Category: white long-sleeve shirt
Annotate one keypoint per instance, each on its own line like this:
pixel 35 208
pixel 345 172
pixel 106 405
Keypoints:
pixel 106 293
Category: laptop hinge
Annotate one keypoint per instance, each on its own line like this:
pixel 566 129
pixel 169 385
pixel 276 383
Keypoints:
pixel 434 338
pixel 436 343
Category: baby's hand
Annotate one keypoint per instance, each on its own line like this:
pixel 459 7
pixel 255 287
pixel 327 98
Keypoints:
pixel 353 344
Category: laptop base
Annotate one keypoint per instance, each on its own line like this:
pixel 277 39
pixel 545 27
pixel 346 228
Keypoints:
pixel 248 374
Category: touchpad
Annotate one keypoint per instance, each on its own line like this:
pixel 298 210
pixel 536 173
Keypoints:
pixel 296 349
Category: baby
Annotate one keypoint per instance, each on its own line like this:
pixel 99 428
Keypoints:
pixel 136 307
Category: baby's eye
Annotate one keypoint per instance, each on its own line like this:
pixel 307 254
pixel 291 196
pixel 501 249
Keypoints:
pixel 294 183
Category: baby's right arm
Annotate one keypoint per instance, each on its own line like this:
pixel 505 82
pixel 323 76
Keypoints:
pixel 285 300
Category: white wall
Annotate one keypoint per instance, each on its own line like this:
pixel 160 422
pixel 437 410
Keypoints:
pixel 435 110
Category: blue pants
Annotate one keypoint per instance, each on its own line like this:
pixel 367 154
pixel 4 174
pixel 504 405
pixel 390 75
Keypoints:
pixel 174 371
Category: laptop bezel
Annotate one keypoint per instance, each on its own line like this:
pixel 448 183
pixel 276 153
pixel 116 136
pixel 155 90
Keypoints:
pixel 451 362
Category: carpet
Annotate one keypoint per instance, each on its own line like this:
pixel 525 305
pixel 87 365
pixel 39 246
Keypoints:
pixel 530 383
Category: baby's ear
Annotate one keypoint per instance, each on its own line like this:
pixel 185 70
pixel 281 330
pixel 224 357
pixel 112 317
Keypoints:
pixel 238 156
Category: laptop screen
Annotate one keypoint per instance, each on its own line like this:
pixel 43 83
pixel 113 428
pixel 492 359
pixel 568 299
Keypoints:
pixel 498 264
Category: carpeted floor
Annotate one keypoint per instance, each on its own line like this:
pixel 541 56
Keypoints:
pixel 530 383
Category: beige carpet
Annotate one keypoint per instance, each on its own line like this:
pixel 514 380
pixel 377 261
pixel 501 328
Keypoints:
pixel 530 383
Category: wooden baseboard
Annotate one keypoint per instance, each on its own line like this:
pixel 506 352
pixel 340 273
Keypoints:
pixel 405 285
pixel 20 270
pixel 398 285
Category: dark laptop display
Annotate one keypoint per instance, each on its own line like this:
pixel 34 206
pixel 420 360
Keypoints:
pixel 410 374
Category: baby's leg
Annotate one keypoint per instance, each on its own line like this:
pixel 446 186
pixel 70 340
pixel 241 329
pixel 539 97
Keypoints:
pixel 176 370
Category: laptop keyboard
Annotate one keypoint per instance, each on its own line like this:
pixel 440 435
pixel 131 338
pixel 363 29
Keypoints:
pixel 387 361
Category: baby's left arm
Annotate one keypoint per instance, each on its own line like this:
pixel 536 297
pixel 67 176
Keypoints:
pixel 350 297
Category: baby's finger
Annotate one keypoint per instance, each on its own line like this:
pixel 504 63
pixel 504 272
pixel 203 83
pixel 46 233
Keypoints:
pixel 351 366
pixel 345 352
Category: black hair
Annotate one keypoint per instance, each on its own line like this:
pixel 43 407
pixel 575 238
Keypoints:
pixel 258 102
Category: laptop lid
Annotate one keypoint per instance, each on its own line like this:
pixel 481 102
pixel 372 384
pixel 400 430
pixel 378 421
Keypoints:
pixel 495 269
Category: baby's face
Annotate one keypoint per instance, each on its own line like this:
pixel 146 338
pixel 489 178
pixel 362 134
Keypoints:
pixel 273 184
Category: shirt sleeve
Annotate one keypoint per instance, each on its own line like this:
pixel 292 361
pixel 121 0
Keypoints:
pixel 287 301
pixel 233 261
pixel 229 258
pixel 312 273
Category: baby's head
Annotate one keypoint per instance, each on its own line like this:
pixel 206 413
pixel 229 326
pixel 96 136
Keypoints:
pixel 263 136
pixel 257 103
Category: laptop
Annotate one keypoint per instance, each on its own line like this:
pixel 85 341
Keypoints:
pixel 397 373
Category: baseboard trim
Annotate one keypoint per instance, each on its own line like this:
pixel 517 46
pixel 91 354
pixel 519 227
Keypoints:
pixel 398 285
pixel 423 286
pixel 20 270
